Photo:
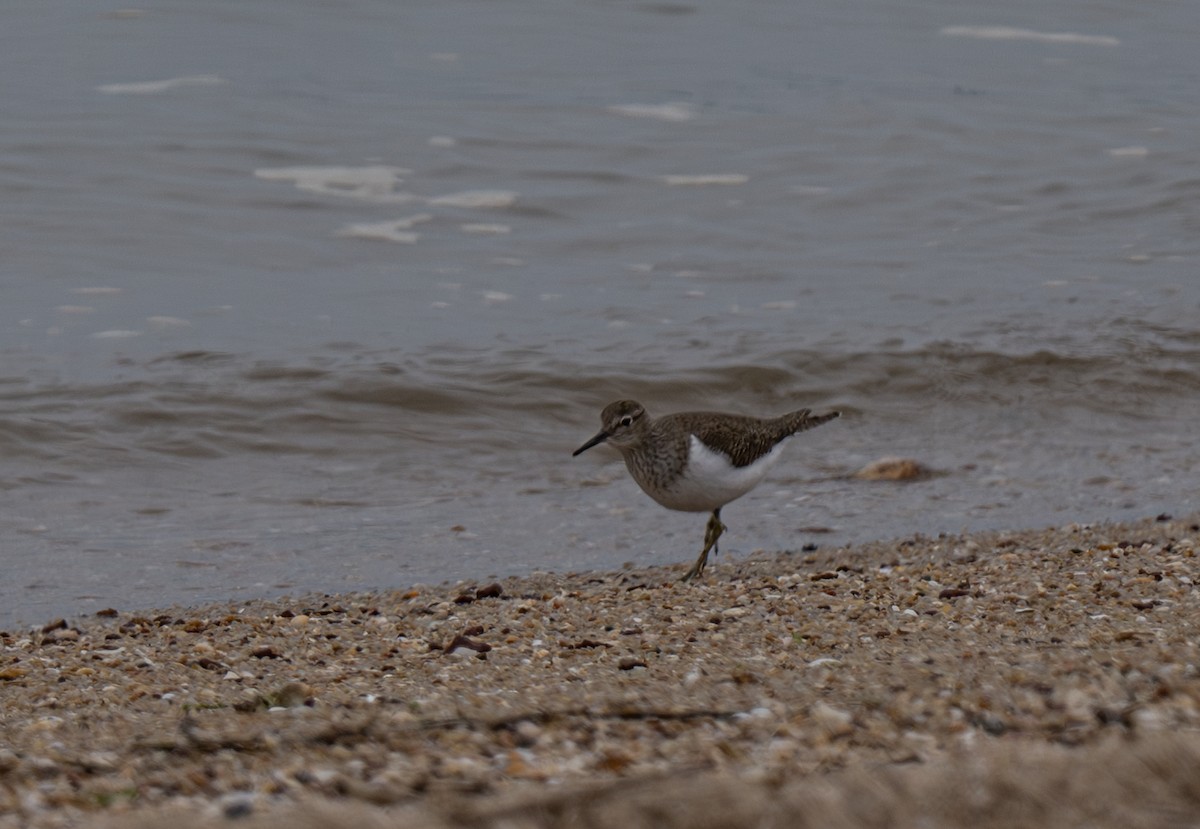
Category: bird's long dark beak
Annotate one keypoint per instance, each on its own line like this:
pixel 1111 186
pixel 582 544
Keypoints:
pixel 599 438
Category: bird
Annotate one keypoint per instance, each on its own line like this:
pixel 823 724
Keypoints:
pixel 698 461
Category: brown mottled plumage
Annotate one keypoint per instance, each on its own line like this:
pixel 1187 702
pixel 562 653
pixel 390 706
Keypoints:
pixel 698 461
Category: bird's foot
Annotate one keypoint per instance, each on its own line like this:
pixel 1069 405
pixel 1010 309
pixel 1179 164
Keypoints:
pixel 711 534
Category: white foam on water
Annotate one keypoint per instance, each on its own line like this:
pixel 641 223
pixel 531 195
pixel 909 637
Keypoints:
pixel 674 112
pixel 704 180
pixel 163 323
pixel 75 309
pixel 1013 33
pixel 486 229
pixel 373 183
pixel 97 290
pixel 476 198
pixel 398 230
pixel 381 232
pixel 156 87
pixel 116 334
pixel 496 297
pixel 377 183
pixel 1129 152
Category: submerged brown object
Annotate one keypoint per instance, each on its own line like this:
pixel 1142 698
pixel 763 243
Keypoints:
pixel 894 469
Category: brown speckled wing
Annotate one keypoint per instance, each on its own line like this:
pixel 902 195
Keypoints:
pixel 745 439
pixel 741 439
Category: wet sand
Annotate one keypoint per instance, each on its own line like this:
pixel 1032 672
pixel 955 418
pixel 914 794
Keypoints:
pixel 1037 678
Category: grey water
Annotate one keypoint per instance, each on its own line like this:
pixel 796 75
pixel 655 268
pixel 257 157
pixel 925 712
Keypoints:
pixel 320 297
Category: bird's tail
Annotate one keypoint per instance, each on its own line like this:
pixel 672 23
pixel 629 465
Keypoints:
pixel 804 419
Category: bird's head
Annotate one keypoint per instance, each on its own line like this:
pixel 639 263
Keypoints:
pixel 621 424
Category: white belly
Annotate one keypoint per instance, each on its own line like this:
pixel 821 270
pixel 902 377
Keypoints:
pixel 710 481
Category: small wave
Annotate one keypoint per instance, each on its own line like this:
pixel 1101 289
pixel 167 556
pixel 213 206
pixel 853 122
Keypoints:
pixel 1013 33
pixel 476 199
pixel 194 357
pixel 704 180
pixel 209 404
pixel 157 87
pixel 485 229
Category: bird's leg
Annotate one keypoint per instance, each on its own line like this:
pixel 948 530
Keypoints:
pixel 711 533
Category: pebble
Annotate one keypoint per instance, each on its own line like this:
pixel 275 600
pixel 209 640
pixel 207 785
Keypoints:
pixel 833 722
pixel 894 469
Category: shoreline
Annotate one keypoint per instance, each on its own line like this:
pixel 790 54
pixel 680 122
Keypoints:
pixel 775 676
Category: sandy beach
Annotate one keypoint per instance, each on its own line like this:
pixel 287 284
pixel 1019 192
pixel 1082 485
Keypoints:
pixel 1033 678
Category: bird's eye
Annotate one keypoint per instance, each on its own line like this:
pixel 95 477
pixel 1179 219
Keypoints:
pixel 627 421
